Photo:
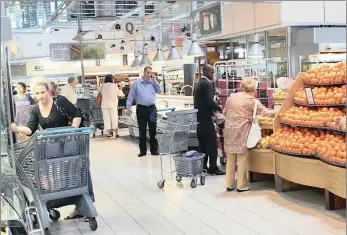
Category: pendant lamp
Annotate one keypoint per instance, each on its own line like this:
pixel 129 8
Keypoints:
pixel 195 49
pixel 174 54
pixel 145 60
pixel 159 56
pixel 255 51
pixel 136 61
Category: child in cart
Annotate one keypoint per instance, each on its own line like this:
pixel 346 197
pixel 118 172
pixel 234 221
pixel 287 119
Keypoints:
pixel 48 113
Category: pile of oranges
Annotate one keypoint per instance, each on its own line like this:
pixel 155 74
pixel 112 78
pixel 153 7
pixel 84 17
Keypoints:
pixel 310 142
pixel 326 74
pixel 332 148
pixel 296 140
pixel 323 95
pixel 305 116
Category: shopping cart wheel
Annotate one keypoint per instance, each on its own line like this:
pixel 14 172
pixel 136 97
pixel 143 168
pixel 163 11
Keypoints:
pixel 161 183
pixel 193 183
pixel 54 215
pixel 93 224
pixel 47 232
pixel 178 178
pixel 202 180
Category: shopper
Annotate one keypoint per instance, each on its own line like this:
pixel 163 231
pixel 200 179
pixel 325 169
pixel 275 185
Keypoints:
pixel 143 92
pixel 48 113
pixel 109 105
pixel 239 114
pixel 206 131
pixel 69 90
pixel 23 103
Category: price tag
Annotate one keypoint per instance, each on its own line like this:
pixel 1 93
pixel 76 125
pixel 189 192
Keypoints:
pixel 309 95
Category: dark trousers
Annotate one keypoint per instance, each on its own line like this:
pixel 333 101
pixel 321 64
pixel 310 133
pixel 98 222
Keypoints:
pixel 145 115
pixel 207 137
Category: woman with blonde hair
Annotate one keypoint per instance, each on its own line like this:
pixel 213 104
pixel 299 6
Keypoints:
pixel 52 112
pixel 238 120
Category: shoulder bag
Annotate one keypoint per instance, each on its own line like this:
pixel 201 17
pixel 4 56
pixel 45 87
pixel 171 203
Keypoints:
pixel 254 134
pixel 99 97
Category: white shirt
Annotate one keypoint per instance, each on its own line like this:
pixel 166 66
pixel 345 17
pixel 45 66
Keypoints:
pixel 69 92
pixel 110 93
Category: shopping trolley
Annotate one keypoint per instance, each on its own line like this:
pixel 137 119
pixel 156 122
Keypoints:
pixel 98 120
pixel 173 135
pixel 55 163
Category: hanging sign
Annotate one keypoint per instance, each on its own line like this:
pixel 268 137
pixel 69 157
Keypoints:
pixel 129 27
pixel 207 21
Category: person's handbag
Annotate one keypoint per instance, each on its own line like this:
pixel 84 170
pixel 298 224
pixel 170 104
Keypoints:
pixel 254 134
pixel 98 100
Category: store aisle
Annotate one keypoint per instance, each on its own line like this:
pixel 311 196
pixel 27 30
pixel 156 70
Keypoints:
pixel 130 203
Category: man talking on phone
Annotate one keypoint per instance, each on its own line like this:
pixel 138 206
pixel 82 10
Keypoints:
pixel 143 92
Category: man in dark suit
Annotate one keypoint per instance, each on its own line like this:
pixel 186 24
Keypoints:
pixel 206 131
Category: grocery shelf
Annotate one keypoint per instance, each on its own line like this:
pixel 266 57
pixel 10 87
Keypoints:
pixel 330 162
pixel 321 105
pixel 337 131
pixel 328 84
pixel 308 156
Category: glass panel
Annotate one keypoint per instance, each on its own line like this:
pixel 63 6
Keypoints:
pixel 238 48
pixel 277 45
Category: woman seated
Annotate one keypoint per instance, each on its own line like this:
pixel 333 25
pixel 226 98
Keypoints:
pixel 238 121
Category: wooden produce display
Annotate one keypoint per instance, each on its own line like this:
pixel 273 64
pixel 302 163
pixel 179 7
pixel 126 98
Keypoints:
pixel 309 142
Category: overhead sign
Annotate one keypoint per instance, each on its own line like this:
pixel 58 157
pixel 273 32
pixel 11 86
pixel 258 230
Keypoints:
pixel 60 51
pixel 207 21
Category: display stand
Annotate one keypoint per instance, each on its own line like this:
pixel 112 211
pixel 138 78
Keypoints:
pixel 293 172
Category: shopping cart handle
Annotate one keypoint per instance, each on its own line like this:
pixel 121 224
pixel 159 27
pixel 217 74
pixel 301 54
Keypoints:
pixel 52 131
pixel 166 109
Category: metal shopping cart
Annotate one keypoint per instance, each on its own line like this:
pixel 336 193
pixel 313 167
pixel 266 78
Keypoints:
pixel 55 163
pixel 98 120
pixel 173 135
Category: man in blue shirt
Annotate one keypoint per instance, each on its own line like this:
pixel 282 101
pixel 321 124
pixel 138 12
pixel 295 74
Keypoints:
pixel 143 91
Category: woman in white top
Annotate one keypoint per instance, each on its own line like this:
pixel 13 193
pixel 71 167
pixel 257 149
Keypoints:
pixel 109 105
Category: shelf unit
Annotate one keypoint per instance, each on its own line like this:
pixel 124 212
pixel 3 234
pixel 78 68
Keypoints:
pixel 300 170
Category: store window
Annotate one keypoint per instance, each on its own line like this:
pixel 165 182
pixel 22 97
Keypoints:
pixel 238 48
pixel 277 52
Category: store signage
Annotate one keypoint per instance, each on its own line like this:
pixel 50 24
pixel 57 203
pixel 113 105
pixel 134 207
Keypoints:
pixel 60 51
pixel 129 27
pixel 309 95
pixel 72 51
pixel 207 21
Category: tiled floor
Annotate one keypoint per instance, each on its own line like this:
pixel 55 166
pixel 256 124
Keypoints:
pixel 130 203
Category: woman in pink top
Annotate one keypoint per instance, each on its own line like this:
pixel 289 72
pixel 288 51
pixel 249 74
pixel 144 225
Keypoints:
pixel 238 120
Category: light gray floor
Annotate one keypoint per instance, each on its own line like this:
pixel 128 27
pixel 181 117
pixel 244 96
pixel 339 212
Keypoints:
pixel 130 203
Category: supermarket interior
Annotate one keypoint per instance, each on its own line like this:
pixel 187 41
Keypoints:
pixel 80 81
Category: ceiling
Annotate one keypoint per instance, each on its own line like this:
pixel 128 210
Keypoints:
pixel 99 15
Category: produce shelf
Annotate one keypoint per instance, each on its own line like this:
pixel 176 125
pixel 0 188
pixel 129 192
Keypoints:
pixel 309 156
pixel 266 127
pixel 321 105
pixel 337 131
pixel 328 84
pixel 329 162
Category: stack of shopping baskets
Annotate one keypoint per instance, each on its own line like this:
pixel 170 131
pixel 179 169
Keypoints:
pixel 54 164
pixel 173 134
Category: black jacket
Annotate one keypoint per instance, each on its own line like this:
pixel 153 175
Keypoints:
pixel 203 99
